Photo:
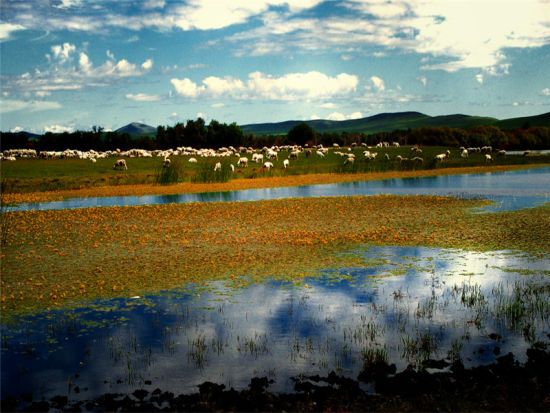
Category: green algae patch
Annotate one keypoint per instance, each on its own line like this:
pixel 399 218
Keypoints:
pixel 55 259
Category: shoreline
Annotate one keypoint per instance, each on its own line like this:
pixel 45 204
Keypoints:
pixel 241 184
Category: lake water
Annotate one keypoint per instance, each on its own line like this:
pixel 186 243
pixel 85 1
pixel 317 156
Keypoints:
pixel 407 304
pixel 509 190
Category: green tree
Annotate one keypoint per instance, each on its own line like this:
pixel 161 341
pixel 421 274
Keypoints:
pixel 301 133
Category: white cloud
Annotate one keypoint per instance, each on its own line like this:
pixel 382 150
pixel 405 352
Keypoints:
pixel 186 87
pixel 62 52
pixel 479 78
pixel 110 55
pixel 142 97
pixel 6 29
pixel 217 105
pixel 377 83
pixel 328 105
pixel 314 117
pixel 545 91
pixel 147 65
pixel 84 63
pixel 66 4
pixel 340 116
pixel 30 106
pixel 292 86
pixel 58 129
pixel 173 116
pixel 310 85
pixel 154 4
pixel 423 80
pixel 65 74
pixel 16 129
pixel 223 86
pixel 454 34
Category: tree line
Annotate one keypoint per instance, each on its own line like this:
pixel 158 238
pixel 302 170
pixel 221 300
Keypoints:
pixel 197 134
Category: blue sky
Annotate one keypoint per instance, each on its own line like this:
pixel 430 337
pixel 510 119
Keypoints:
pixel 71 64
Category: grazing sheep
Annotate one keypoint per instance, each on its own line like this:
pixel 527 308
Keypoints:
pixel 440 157
pixel 232 167
pixel 268 165
pixel 166 163
pixel 257 157
pixel 218 166
pixel 401 159
pixel 286 163
pixel 293 154
pixel 488 158
pixel 417 159
pixel 502 152
pixel 320 154
pixel 242 162
pixel 464 153
pixel 120 164
pixel 387 157
pixel 349 160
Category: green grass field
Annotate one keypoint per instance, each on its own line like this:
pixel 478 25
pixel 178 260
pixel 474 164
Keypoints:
pixel 34 175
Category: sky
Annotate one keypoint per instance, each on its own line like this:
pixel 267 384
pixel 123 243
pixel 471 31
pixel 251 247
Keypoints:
pixel 68 65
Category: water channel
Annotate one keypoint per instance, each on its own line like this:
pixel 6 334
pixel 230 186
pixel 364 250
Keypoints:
pixel 509 190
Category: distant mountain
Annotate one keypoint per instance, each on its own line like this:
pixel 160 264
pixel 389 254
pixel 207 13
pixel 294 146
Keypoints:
pixel 387 122
pixel 137 129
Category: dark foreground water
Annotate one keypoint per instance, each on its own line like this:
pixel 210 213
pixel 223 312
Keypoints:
pixel 509 190
pixel 405 305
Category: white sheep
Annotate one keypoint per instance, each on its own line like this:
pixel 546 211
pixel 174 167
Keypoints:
pixel 441 157
pixel 268 165
pixel 349 160
pixel 166 163
pixel 232 167
pixel 218 166
pixel 192 160
pixel 120 163
pixel 286 163
pixel 242 162
pixel 320 154
pixel 464 153
pixel 488 158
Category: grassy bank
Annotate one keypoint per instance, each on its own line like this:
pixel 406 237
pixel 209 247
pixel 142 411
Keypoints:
pixel 58 258
pixel 268 181
pixel 39 175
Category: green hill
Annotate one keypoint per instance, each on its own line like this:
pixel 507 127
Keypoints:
pixel 387 122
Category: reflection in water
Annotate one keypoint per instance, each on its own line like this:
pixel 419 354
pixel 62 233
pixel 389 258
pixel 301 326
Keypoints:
pixel 405 304
pixel 510 191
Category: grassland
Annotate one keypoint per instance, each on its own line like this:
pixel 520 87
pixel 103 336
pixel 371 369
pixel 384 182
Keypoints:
pixel 32 180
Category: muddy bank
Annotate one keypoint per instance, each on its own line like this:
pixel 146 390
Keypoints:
pixel 440 386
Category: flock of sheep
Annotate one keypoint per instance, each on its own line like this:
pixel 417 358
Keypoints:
pixel 263 156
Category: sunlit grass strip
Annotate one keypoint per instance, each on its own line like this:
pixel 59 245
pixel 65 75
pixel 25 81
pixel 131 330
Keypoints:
pixel 54 258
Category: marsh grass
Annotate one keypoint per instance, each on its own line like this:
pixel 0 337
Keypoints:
pixel 206 173
pixel 170 174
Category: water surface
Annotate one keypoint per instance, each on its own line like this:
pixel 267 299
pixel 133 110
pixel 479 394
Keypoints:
pixel 407 303
pixel 509 190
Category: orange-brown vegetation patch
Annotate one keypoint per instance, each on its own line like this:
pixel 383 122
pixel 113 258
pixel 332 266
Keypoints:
pixel 67 257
